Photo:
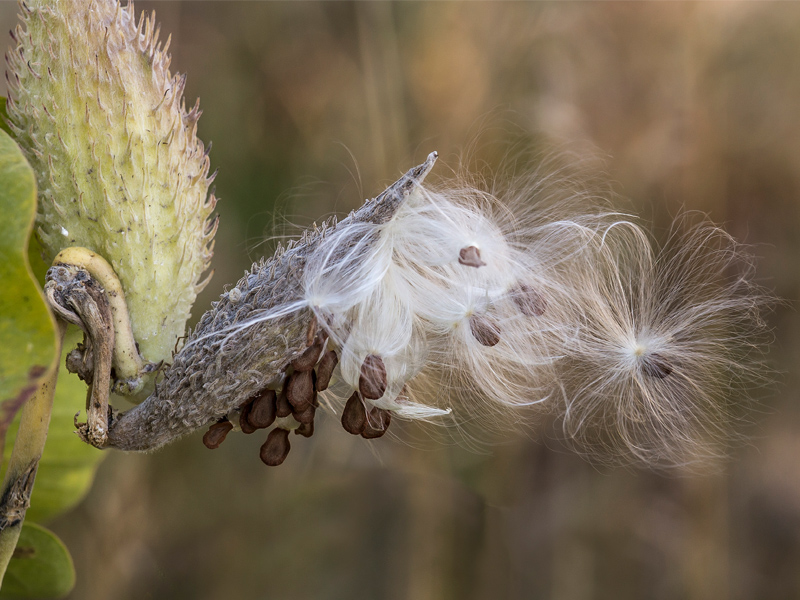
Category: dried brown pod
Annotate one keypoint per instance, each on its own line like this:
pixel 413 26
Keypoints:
pixel 372 382
pixel 216 434
pixel 655 365
pixel 300 389
pixel 354 417
pixel 325 370
pixel 377 423
pixel 263 410
pixel 485 330
pixel 471 257
pixel 276 448
pixel 529 302
pixel 244 422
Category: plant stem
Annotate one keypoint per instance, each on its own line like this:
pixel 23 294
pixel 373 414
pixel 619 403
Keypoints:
pixel 15 494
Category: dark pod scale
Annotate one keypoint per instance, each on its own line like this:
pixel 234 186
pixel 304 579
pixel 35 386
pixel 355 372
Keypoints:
pixel 529 302
pixel 300 389
pixel 216 434
pixel 377 423
pixel 656 366
pixel 372 382
pixel 305 417
pixel 276 448
pixel 485 330
pixel 305 429
pixel 471 257
pixel 244 412
pixel 309 356
pixel 354 417
pixel 282 406
pixel 263 410
pixel 325 370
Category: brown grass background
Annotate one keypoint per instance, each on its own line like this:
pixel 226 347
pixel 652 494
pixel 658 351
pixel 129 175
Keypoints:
pixel 314 106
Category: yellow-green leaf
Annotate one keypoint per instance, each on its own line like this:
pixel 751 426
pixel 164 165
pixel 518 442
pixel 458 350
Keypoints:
pixel 27 330
pixel 40 568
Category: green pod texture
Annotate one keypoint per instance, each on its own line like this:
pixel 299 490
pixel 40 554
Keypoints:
pixel 119 167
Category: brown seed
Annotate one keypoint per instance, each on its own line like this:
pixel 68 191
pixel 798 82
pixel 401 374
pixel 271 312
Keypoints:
pixel 216 434
pixel 311 333
pixel 244 412
pixel 283 408
pixel 471 257
pixel 485 330
pixel 300 389
pixel 276 448
pixel 354 417
pixel 372 382
pixel 325 370
pixel 309 357
pixel 528 300
pixel 306 430
pixel 656 366
pixel 305 416
pixel 263 410
pixel 377 423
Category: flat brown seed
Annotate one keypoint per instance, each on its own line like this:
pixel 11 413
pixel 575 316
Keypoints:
pixel 283 408
pixel 276 448
pixel 325 370
pixel 471 257
pixel 216 434
pixel 306 416
pixel 309 357
pixel 377 424
pixel 244 422
pixel 300 389
pixel 485 330
pixel 306 430
pixel 372 382
pixel 354 417
pixel 263 410
pixel 530 302
pixel 656 366
pixel 311 333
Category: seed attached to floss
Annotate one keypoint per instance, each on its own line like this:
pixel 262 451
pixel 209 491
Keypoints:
pixel 305 417
pixel 485 330
pixel 354 417
pixel 216 434
pixel 300 389
pixel 244 422
pixel 276 448
pixel 528 300
pixel 283 407
pixel 377 423
pixel 305 429
pixel 372 382
pixel 263 410
pixel 325 370
pixel 656 366
pixel 310 356
pixel 471 257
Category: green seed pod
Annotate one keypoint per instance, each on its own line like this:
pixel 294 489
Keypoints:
pixel 120 169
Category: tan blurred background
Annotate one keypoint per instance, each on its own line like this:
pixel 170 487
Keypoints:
pixel 314 106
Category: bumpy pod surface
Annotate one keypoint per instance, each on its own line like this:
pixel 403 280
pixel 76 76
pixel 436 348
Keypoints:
pixel 120 170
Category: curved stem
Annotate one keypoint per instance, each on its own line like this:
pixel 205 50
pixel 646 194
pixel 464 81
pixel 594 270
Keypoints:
pixel 128 364
pixel 15 494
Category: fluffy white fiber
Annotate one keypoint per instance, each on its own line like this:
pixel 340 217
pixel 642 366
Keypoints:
pixel 478 306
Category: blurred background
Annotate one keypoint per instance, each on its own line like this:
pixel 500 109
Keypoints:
pixel 313 107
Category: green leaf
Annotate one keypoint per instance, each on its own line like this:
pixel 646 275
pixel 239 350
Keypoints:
pixel 4 117
pixel 40 568
pixel 27 330
pixel 67 467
